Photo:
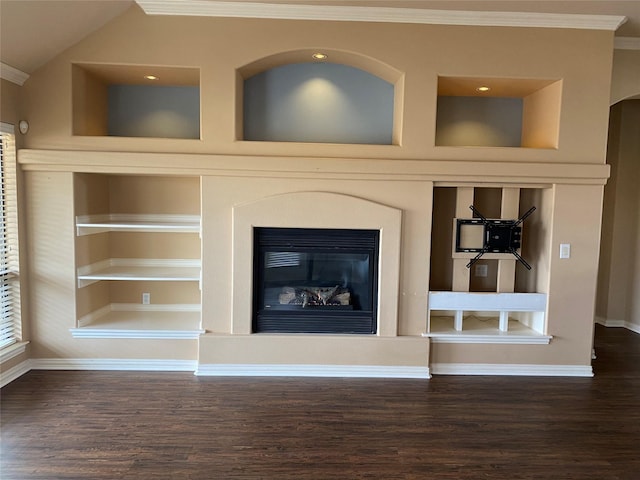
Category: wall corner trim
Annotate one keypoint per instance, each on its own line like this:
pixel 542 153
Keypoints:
pixel 379 14
pixel 7 72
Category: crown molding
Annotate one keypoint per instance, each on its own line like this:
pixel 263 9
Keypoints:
pixel 627 43
pixel 7 72
pixel 213 8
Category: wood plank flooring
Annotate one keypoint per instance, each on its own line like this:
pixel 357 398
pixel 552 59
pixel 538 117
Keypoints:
pixel 130 425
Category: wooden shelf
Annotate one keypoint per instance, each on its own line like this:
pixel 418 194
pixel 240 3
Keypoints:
pixel 141 321
pixel 155 270
pixel 91 224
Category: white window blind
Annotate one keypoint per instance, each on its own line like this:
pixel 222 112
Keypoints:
pixel 10 322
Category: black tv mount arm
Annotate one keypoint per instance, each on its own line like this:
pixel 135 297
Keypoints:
pixel 501 236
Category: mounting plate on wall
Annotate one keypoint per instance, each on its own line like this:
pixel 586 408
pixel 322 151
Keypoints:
pixel 481 235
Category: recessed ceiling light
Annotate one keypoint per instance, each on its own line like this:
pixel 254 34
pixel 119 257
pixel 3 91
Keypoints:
pixel 151 77
pixel 319 56
pixel 483 89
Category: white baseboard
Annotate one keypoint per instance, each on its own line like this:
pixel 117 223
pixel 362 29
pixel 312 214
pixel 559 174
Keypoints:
pixel 613 323
pixel 96 364
pixel 348 371
pixel 634 327
pixel 113 364
pixel 14 372
pixel 512 369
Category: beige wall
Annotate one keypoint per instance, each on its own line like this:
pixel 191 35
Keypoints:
pixel 569 178
pixel 220 46
pixel 9 96
pixel 618 275
pixel 625 79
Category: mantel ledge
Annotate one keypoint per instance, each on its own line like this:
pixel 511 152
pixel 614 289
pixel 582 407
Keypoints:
pixel 446 172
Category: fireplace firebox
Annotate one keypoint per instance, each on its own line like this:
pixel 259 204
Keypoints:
pixel 314 280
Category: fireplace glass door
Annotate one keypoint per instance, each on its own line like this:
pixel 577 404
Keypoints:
pixel 315 280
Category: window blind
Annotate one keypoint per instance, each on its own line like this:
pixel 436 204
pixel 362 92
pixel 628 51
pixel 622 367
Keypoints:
pixel 10 323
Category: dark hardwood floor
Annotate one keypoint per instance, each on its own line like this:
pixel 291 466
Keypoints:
pixel 129 425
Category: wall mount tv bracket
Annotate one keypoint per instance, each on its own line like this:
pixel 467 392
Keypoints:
pixel 498 236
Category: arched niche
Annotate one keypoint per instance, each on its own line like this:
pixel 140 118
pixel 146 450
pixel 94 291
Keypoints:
pixel 345 98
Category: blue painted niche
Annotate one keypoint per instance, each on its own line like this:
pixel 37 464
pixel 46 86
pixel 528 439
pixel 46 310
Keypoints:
pixel 154 111
pixel 318 102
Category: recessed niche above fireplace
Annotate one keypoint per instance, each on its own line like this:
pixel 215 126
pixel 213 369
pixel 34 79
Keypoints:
pixel 315 280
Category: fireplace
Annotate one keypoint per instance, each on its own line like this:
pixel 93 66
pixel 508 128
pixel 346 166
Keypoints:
pixel 315 280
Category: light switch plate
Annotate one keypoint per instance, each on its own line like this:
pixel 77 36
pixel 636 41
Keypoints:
pixel 565 250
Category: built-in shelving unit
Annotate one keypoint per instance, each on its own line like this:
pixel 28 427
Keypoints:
pixel 503 302
pixel 121 238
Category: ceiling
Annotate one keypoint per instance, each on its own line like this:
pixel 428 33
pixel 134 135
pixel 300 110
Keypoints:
pixel 29 38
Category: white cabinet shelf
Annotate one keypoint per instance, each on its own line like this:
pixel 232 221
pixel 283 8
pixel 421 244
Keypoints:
pixel 452 326
pixel 91 224
pixel 133 269
pixel 141 321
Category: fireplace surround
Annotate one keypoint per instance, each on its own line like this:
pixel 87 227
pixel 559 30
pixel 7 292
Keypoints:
pixel 339 211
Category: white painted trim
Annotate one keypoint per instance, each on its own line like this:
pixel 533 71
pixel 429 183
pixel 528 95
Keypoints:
pixel 7 128
pixel 90 224
pixel 13 75
pixel 511 369
pixel 347 371
pixel 140 334
pixel 626 43
pixel 614 323
pixel 12 351
pixel 212 8
pixel 8 376
pixel 607 322
pixel 489 339
pixel 633 327
pixel 137 269
pixel 488 302
pixel 159 365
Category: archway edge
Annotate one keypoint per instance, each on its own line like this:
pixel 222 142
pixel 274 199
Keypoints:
pixel 364 62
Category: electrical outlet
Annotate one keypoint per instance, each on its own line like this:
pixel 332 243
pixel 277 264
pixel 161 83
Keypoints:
pixel 146 298
pixel 481 270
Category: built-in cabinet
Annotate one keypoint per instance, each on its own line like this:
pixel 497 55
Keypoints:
pixel 138 237
pixel 138 256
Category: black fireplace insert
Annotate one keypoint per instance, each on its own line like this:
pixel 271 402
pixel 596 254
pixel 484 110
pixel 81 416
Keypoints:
pixel 315 280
